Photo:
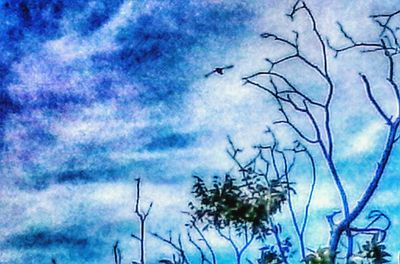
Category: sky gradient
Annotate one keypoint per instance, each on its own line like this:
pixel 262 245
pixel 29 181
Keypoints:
pixel 95 94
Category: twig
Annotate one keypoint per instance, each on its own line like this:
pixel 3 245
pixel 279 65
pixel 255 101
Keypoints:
pixel 142 218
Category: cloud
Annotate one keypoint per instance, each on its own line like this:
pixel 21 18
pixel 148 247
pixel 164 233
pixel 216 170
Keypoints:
pixel 88 89
pixel 82 222
pixel 101 123
pixel 366 140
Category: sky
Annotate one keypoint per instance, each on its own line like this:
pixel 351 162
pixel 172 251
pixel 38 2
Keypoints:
pixel 95 94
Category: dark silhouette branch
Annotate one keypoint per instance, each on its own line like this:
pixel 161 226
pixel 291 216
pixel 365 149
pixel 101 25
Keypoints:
pixel 300 229
pixel 327 151
pixel 275 231
pixel 142 218
pixel 177 246
pixel 378 233
pixel 299 5
pixel 204 259
pixel 237 249
pixel 387 18
pixel 193 225
pixel 205 241
pixel 373 100
pixel 117 253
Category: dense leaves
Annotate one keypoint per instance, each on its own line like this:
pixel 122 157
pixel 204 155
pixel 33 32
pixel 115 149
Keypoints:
pixel 372 252
pixel 248 203
pixel 321 256
pixel 271 254
pixel 242 206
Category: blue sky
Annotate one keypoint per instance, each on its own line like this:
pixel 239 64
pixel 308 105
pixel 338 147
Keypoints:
pixel 97 93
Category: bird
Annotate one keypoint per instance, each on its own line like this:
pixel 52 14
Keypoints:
pixel 219 70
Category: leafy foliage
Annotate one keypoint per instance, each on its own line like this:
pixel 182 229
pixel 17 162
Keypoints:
pixel 271 255
pixel 321 256
pixel 372 252
pixel 241 204
pixel 247 203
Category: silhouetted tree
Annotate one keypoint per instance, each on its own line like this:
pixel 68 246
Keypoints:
pixel 241 208
pixel 291 98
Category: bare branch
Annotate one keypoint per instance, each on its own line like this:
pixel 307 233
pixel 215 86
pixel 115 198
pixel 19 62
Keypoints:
pixel 275 231
pixel 299 5
pixel 135 236
pixel 373 100
pixel 142 218
pixel 293 88
pixel 177 246
pixel 117 253
pixel 192 224
pixel 204 259
pixel 238 250
pixel 388 18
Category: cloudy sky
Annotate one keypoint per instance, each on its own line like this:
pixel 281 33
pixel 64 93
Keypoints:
pixel 97 93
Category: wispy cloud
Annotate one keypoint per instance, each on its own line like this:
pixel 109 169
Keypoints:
pixel 366 140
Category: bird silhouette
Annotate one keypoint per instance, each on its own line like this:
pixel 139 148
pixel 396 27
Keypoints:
pixel 53 261
pixel 219 70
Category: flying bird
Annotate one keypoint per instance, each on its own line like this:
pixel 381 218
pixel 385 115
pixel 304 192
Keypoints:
pixel 219 70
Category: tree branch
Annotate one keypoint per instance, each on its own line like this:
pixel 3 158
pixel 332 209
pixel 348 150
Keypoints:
pixel 142 218
pixel 373 100
pixel 178 247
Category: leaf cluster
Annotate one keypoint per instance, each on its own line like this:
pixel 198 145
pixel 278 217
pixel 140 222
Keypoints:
pixel 321 256
pixel 372 252
pixel 271 255
pixel 247 204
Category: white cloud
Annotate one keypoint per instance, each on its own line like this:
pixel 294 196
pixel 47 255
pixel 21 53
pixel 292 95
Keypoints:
pixel 386 198
pixel 325 196
pixel 99 123
pixel 366 140
pixel 55 206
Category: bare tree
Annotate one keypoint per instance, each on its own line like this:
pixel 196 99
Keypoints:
pixel 291 98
